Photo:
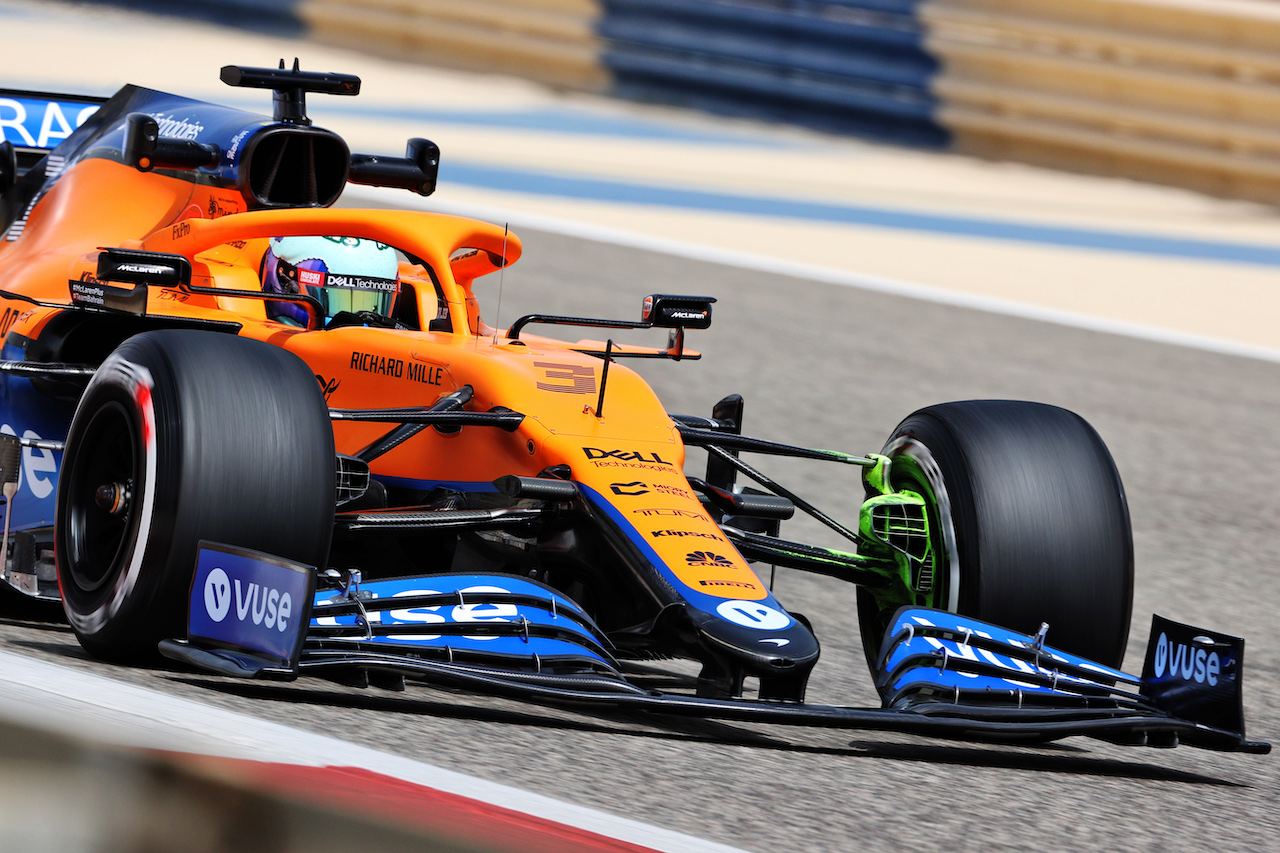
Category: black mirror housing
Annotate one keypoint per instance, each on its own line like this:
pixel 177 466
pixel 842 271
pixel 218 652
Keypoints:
pixel 667 311
pixel 137 267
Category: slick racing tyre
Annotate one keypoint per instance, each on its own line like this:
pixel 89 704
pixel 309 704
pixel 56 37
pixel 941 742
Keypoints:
pixel 183 436
pixel 1028 523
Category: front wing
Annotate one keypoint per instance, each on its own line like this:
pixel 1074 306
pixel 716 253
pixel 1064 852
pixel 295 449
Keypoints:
pixel 939 674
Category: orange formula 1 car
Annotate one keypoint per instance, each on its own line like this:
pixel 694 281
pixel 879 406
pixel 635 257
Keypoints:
pixel 271 438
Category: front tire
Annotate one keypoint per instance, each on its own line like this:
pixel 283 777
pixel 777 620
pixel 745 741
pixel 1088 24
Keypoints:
pixel 1028 523
pixel 182 436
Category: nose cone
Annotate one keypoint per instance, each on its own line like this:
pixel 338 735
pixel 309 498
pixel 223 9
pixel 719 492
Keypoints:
pixel 748 638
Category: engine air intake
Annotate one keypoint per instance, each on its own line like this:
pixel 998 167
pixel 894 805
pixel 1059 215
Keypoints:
pixel 294 167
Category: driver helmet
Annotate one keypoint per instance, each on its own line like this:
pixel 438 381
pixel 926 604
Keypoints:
pixel 343 273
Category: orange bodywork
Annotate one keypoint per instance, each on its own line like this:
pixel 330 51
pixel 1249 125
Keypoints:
pixel 632 456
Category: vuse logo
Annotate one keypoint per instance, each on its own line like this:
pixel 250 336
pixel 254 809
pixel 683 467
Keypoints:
pixel 1186 662
pixel 217 595
pixel 261 605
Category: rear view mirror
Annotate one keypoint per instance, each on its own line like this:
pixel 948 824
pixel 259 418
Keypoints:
pixel 666 311
pixel 132 266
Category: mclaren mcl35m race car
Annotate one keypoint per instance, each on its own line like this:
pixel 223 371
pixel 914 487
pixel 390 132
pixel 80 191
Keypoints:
pixel 272 438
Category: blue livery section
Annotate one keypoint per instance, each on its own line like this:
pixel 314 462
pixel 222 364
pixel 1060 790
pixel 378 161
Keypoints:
pixel 249 601
pixel 36 120
pixel 27 413
pixel 481 618
pixel 100 132
pixel 952 680
pixel 186 119
pixel 914 622
pixel 928 650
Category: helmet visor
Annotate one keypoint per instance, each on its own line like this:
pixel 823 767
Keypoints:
pixel 351 293
pixel 354 293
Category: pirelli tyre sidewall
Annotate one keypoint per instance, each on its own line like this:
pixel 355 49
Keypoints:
pixel 182 436
pixel 1028 522
pixel 112 439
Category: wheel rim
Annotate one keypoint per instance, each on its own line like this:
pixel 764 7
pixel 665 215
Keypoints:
pixel 914 469
pixel 100 532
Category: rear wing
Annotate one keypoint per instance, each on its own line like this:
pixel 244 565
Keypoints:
pixel 34 123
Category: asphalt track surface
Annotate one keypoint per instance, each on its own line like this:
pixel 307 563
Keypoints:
pixel 838 367
pixel 1192 433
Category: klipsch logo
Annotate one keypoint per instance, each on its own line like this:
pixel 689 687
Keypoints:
pixel 698 534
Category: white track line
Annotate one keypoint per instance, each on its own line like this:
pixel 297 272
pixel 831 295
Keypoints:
pixel 826 275
pixel 90 707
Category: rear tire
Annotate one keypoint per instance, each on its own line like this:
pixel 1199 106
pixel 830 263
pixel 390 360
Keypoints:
pixel 183 436
pixel 1028 521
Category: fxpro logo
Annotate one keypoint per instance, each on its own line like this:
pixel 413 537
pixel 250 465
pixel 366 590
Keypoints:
pixel 259 604
pixel 1186 662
